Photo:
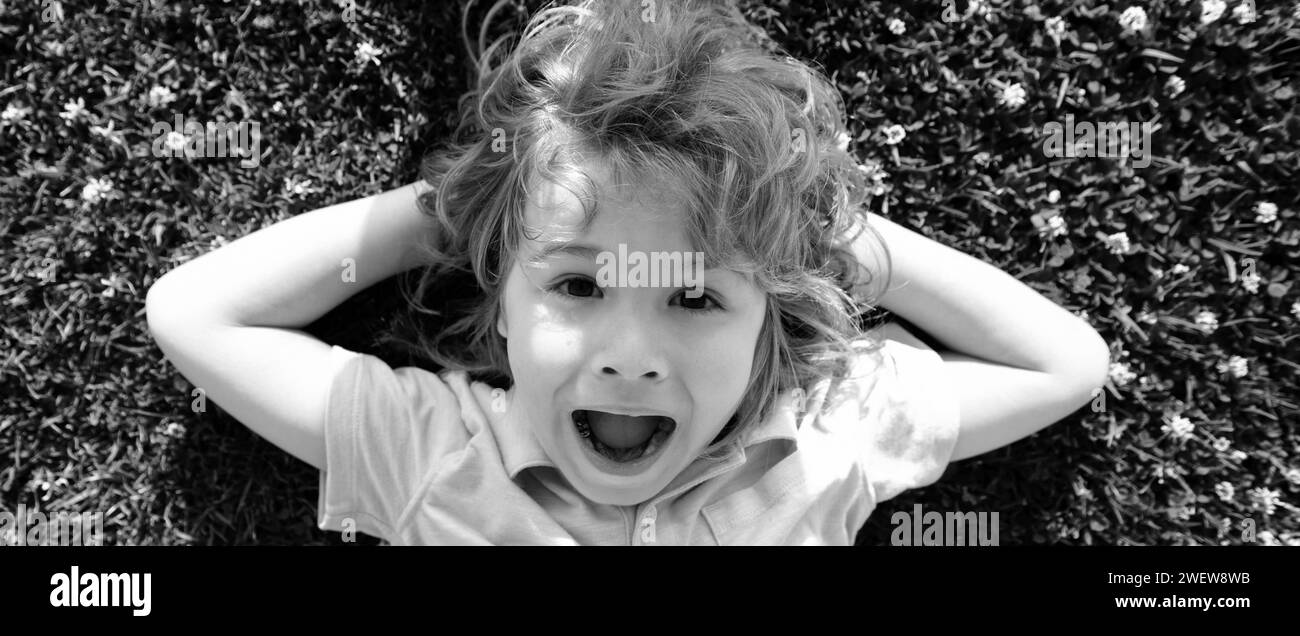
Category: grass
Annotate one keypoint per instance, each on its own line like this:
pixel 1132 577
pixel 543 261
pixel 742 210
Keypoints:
pixel 93 418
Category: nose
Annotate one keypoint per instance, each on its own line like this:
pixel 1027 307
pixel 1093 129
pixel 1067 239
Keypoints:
pixel 631 350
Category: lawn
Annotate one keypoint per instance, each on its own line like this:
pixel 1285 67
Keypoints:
pixel 1185 265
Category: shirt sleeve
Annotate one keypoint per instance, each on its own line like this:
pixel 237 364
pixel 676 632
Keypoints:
pixel 909 415
pixel 385 430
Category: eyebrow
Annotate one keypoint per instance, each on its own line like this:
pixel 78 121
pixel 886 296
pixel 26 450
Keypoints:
pixel 582 250
pixel 564 249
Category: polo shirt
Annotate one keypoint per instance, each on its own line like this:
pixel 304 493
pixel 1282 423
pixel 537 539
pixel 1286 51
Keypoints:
pixel 418 458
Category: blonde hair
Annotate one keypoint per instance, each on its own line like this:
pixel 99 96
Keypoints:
pixel 689 90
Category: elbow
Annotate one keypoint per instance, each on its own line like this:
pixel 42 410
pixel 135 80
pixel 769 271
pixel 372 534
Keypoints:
pixel 160 304
pixel 1090 368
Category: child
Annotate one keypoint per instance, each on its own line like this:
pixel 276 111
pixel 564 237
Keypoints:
pixel 733 402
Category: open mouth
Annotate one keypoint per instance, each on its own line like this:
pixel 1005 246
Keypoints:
pixel 623 438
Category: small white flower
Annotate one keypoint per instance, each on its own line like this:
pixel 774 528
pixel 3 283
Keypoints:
pixel 174 429
pixel 72 110
pixel 1056 227
pixel 1120 373
pixel 1244 12
pixel 1212 10
pixel 367 52
pixel 1179 269
pixel 1012 96
pixel 298 188
pixel 894 134
pixel 1133 19
pixel 112 285
pixel 1221 444
pixel 842 141
pixel 1238 456
pixel 96 190
pixel 175 140
pixel 1179 427
pixel 979 7
pixel 875 176
pixel 1265 212
pixel 1264 499
pixel 896 26
pixel 1236 365
pixel 1175 86
pixel 1053 196
pixel 160 96
pixel 1146 318
pixel 14 113
pixel 277 107
pixel 1055 27
pixel 1207 321
pixel 1118 243
pixel 1224 490
pixel 1250 281
pixel 1295 309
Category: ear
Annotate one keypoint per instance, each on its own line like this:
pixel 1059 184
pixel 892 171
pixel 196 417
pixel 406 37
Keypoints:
pixel 501 323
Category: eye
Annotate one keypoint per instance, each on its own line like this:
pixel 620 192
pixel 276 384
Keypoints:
pixel 703 304
pixel 577 287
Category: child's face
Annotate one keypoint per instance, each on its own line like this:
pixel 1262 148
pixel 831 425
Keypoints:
pixel 613 363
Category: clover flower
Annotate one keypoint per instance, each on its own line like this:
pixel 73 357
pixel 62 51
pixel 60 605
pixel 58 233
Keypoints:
pixel 1179 427
pixel 1265 212
pixel 1133 19
pixel 1118 243
pixel 1012 96
pixel 1207 321
pixel 1237 366
pixel 1175 86
pixel 1212 10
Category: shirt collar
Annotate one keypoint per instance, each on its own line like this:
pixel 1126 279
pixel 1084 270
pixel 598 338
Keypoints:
pixel 519 447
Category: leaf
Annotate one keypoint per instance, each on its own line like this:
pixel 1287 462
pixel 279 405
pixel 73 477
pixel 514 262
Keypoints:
pixel 1158 54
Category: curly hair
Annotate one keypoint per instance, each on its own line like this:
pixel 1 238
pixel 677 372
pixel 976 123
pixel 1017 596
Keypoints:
pixel 688 89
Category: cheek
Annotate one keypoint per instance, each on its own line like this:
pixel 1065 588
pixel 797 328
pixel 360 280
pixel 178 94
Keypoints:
pixel 723 360
pixel 543 340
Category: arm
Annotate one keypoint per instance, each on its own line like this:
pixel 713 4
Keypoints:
pixel 1017 361
pixel 231 319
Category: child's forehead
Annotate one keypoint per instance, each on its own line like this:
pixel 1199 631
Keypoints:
pixel 549 202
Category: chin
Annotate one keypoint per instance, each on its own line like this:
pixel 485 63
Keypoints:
pixel 596 487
